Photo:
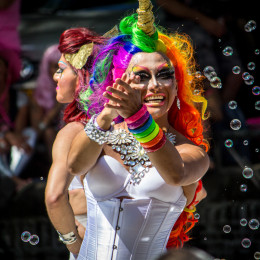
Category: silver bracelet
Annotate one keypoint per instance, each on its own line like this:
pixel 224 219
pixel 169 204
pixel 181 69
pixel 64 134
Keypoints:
pixel 68 238
pixel 94 133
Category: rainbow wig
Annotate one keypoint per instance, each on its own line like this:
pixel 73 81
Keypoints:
pixel 113 60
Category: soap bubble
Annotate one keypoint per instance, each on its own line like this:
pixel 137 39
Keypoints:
pixel 198 74
pixel 227 229
pixel 253 224
pixel 245 142
pixel 257 105
pixel 243 187
pixel 249 80
pixel 251 65
pixel 25 236
pixel 257 255
pixel 228 143
pixel 245 75
pixel 246 243
pixel 236 70
pixel 257 51
pixel 248 173
pixel 243 222
pixel 235 124
pixel 256 90
pixel 250 26
pixel 196 215
pixel 216 82
pixel 228 51
pixel 34 240
pixel 232 104
pixel 256 150
pixel 209 72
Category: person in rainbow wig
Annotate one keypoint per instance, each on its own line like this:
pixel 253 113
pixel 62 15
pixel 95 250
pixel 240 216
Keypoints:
pixel 142 150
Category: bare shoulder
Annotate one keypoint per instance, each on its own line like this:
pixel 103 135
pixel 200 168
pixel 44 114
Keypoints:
pixel 67 133
pixel 183 144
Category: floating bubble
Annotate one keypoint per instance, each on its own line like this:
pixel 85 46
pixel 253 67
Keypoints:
pixel 245 142
pixel 250 26
pixel 257 255
pixel 243 222
pixel 228 143
pixel 253 224
pixel 228 51
pixel 256 150
pixel 209 72
pixel 248 173
pixel 245 75
pixel 34 240
pixel 246 243
pixel 219 40
pixel 251 65
pixel 205 238
pixel 232 104
pixel 235 124
pixel 216 82
pixel 249 80
pixel 257 105
pixel 25 236
pixel 256 90
pixel 41 178
pixel 236 70
pixel 257 51
pixel 243 187
pixel 196 215
pixel 198 74
pixel 227 229
pixel 196 92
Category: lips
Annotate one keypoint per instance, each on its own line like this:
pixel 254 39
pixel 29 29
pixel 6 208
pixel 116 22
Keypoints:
pixel 154 98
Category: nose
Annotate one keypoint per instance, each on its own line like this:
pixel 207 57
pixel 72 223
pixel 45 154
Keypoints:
pixel 55 77
pixel 153 84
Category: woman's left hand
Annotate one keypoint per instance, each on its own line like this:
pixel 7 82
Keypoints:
pixel 126 97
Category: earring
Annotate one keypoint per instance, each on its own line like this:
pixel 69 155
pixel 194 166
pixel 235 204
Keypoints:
pixel 178 103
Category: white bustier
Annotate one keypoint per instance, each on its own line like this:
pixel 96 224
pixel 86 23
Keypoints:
pixel 135 228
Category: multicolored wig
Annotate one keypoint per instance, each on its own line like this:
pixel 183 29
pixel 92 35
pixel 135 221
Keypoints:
pixel 70 43
pixel 139 34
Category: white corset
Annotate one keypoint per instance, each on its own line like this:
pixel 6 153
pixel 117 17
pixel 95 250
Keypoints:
pixel 135 228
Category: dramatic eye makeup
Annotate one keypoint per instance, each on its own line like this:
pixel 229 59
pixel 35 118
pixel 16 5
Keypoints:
pixel 62 66
pixel 142 72
pixel 165 71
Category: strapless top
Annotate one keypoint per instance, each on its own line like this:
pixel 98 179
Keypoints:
pixel 136 228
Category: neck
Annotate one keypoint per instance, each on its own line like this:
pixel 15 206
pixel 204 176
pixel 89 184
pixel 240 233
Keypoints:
pixel 163 122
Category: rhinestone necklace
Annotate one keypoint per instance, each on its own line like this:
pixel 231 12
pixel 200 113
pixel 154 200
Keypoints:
pixel 132 153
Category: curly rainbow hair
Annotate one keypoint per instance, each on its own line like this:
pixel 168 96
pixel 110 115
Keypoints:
pixel 113 60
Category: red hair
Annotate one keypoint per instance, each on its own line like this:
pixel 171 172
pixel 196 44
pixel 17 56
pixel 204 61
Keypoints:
pixel 70 42
pixel 187 119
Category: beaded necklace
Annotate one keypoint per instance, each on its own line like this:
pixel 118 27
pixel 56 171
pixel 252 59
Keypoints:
pixel 132 153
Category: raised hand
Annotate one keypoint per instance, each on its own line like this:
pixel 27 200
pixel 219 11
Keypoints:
pixel 125 95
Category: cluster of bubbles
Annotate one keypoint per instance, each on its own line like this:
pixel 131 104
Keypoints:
pixel 32 239
pixel 247 173
pixel 248 78
pixel 212 76
pixel 250 26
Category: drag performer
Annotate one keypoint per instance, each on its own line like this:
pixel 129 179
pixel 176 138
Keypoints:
pixel 144 144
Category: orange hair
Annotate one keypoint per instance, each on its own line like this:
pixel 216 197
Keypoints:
pixel 187 120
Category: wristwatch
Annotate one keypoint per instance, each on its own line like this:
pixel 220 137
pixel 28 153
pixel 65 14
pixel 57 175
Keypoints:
pixel 68 238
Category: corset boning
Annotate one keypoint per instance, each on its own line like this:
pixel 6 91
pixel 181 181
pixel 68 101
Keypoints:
pixel 136 229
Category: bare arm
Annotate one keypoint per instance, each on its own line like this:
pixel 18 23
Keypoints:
pixel 56 193
pixel 78 201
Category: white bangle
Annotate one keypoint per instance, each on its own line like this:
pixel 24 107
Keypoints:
pixel 68 238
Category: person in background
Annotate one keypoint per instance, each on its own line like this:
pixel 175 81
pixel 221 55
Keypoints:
pixel 77 46
pixel 15 140
pixel 46 113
